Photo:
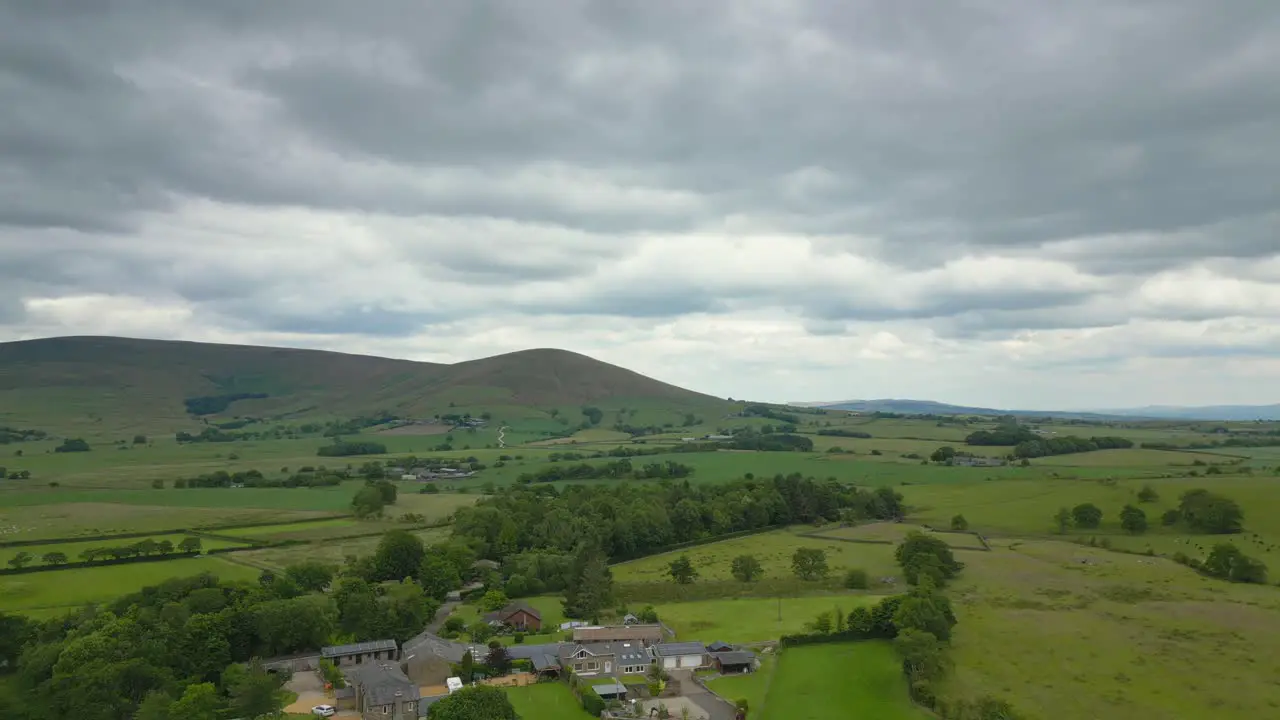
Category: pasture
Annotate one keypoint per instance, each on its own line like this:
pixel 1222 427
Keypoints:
pixel 70 515
pixel 546 701
pixel 70 589
pixel 773 550
pixel 896 532
pixel 748 686
pixel 1126 636
pixel 861 680
pixel 330 551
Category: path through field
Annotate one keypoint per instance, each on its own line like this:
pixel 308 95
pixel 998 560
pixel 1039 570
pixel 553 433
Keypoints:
pixel 502 432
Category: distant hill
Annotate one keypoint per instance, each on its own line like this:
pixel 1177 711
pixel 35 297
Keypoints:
pixel 1154 412
pixel 65 384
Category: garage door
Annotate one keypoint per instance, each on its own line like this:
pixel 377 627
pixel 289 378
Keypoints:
pixel 690 661
pixel 670 663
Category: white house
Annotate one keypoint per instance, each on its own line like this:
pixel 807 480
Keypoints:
pixel 681 655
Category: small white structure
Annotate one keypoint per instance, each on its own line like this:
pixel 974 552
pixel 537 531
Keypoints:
pixel 454 684
pixel 408 477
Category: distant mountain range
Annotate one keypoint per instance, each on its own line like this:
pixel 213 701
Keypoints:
pixel 1159 412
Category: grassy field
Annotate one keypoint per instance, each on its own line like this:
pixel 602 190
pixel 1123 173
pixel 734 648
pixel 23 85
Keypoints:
pixel 746 620
pixel 546 701
pixel 772 549
pixel 333 551
pixel 1126 636
pixel 69 589
pixel 293 530
pixel 73 549
pixel 75 517
pixel 861 681
pixel 896 532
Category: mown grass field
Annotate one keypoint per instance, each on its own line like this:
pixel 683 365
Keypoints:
pixel 546 701
pixel 289 531
pixel 897 532
pixel 69 589
pixel 748 686
pixel 73 549
pixel 857 681
pixel 744 620
pixel 773 549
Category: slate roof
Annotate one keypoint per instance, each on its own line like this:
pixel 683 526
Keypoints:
pixel 611 688
pixel 331 651
pixel 719 646
pixel 612 633
pixel 684 648
pixel 630 653
pixel 442 648
pixel 512 609
pixel 545 662
pixel 380 682
pixel 528 652
pixel 735 657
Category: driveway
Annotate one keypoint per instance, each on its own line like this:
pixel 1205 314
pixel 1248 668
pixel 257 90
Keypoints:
pixel 706 703
pixel 310 689
pixel 442 614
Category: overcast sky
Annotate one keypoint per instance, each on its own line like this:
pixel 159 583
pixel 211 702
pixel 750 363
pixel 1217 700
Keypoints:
pixel 1017 203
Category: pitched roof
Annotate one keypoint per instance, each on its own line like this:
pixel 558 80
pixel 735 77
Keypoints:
pixel 426 643
pixel 735 657
pixel 545 661
pixel 684 648
pixel 381 683
pixel 610 688
pixel 719 646
pixel 330 651
pixel 528 652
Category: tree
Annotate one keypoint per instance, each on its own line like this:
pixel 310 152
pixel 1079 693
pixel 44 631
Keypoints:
pixel 1226 561
pixel 746 568
pixel 1086 515
pixel 467 668
pixel 252 691
pixel 927 610
pixel 480 631
pixel 139 439
pixel 1210 513
pixel 399 555
pixel 21 560
pixel 923 655
pixel 959 524
pixel 648 615
pixel 164 547
pixel 920 555
pixel 682 570
pixel 356 603
pixel 311 575
pixel 72 445
pixel 476 702
pixel 590 587
pixel 1133 520
pixel 493 600
pixel 198 702
pixel 1148 494
pixel 943 454
pixel 1063 520
pixel 190 545
pixel 54 558
pixel 499 661
pixel 368 502
pixel 438 576
pixel 809 563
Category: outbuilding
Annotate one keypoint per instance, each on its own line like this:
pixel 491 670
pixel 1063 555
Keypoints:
pixel 681 655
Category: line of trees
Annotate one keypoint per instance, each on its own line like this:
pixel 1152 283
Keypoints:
pixel 1069 444
pixel 214 404
pixel 839 432
pixel 255 479
pixel 615 470
pixel 72 445
pixel 189 545
pixel 341 448
pixel 16 435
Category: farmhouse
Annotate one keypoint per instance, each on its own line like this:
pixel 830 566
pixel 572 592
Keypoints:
pixel 520 615
pixel 594 659
pixel 382 692
pixel 359 653
pixel 681 655
pixel 644 634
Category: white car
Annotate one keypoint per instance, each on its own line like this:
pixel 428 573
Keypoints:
pixel 324 711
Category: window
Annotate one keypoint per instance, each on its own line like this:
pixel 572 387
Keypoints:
pixel 593 665
pixel 409 706
pixel 386 709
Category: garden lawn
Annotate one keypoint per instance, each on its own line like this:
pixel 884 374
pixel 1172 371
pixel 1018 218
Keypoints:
pixel 839 681
pixel 546 701
pixel 73 588
pixel 748 686
pixel 746 620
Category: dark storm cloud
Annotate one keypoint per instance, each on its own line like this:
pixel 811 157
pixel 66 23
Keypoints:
pixel 1123 138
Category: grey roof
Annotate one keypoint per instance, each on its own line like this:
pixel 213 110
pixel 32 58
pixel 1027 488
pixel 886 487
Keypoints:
pixel 438 646
pixel 528 652
pixel 683 648
pixel 719 646
pixel 330 651
pixel 735 657
pixel 425 703
pixel 543 661
pixel 381 683
pixel 607 633
pixel 631 653
pixel 610 688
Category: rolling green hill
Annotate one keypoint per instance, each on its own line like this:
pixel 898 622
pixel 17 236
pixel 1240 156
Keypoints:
pixel 108 385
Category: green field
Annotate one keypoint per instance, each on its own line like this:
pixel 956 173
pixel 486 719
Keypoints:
pixel 546 701
pixel 290 531
pixel 70 518
pixel 330 551
pixel 773 549
pixel 1126 636
pixel 858 681
pixel 69 589
pixel 897 532
pixel 73 549
pixel 749 686
pixel 745 620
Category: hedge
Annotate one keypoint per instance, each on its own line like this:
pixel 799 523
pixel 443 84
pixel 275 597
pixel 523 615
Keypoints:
pixel 700 541
pixel 92 538
pixel 97 563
